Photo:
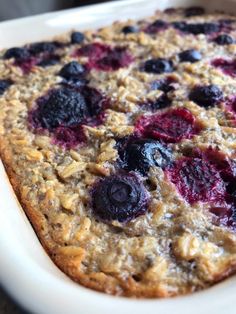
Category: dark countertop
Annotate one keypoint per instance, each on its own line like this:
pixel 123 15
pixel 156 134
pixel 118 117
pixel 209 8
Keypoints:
pixel 8 306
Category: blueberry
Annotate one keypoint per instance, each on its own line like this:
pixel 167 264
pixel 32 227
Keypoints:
pixel 4 84
pixel 42 47
pixel 190 55
pixel 165 85
pixel 49 61
pixel 158 66
pixel 77 38
pixel 160 103
pixel 194 11
pixel 224 39
pixel 180 25
pixel 206 96
pixel 129 29
pixel 202 28
pixel 156 26
pixel 17 53
pixel 72 70
pixel 62 107
pixel 141 154
pixel 120 197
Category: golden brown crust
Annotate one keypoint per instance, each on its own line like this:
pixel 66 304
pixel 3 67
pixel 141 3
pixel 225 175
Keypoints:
pixel 174 249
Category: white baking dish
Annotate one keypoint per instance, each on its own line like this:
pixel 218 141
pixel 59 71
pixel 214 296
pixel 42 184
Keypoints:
pixel 25 269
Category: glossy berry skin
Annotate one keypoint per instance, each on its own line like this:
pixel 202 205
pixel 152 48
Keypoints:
pixel 129 29
pixel 72 70
pixel 121 197
pixel 197 180
pixel 4 84
pixel 62 107
pixel 170 127
pixel 77 38
pixel 141 154
pixel 194 11
pixel 158 66
pixel 190 55
pixel 224 39
pixel 206 96
pixel 17 53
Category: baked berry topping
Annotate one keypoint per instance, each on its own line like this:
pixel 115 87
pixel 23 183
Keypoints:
pixel 224 39
pixel 69 137
pixel 197 28
pixel 105 58
pixel 141 154
pixel 72 70
pixel 49 61
pixel 156 27
pixel 62 107
pixel 17 53
pixel 228 67
pixel 130 29
pixel 77 38
pixel 158 66
pixel 194 11
pixel 160 103
pixel 42 47
pixel 231 104
pixel 206 96
pixel 120 197
pixel 166 85
pixel 4 85
pixel 171 126
pixel 190 55
pixel 197 180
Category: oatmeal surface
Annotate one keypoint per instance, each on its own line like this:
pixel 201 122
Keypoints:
pixel 121 146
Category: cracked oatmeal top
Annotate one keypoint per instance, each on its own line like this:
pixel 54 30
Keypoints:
pixel 121 146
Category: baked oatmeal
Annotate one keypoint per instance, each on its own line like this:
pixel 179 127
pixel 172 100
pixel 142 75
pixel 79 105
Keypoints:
pixel 121 146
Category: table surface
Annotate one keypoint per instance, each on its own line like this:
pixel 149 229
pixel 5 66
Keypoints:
pixel 8 306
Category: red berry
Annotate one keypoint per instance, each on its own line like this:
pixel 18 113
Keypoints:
pixel 171 126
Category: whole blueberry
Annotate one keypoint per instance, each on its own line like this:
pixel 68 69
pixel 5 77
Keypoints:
pixel 120 197
pixel 206 96
pixel 158 66
pixel 202 28
pixel 190 55
pixel 62 107
pixel 224 39
pixel 72 70
pixel 4 84
pixel 77 38
pixel 141 154
pixel 17 53
pixel 180 25
pixel 194 11
pixel 129 29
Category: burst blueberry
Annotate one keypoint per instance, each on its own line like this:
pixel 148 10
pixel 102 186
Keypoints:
pixel 120 197
pixel 158 66
pixel 141 154
pixel 17 53
pixel 194 11
pixel 4 85
pixel 224 39
pixel 49 61
pixel 77 38
pixel 190 55
pixel 206 96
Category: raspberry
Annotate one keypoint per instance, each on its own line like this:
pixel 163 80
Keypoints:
pixel 120 197
pixel 228 67
pixel 171 126
pixel 141 154
pixel 206 96
pixel 105 58
pixel 197 180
